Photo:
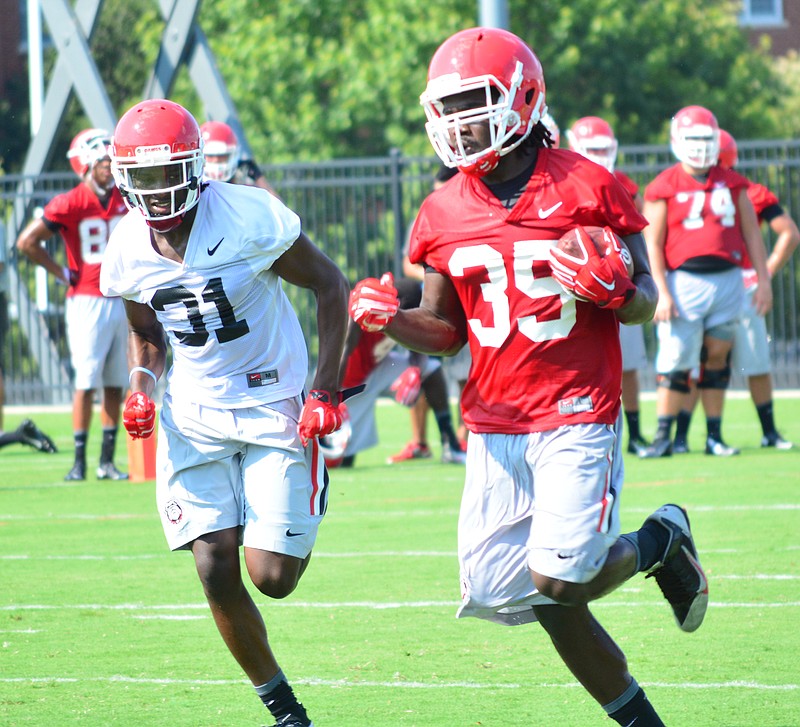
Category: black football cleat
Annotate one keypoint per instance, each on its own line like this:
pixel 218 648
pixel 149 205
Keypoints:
pixel 34 437
pixel 107 471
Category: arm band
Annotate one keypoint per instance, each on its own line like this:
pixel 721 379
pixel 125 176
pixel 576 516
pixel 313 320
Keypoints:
pixel 144 371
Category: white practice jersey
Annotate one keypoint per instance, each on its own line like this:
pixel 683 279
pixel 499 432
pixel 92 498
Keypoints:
pixel 235 337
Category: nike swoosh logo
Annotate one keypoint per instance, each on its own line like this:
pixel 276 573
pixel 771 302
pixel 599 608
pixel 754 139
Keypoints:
pixel 544 214
pixel 212 250
pixel 608 286
pixel 290 534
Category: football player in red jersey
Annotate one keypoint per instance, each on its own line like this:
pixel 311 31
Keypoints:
pixel 702 228
pixel 97 333
pixel 539 527
pixel 594 138
pixel 750 354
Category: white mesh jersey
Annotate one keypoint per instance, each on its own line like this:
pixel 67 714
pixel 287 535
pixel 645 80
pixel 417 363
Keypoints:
pixel 235 337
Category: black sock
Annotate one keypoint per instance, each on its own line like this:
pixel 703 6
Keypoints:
pixel 632 418
pixel 9 438
pixel 80 447
pixel 444 421
pixel 683 421
pixel 650 543
pixel 766 417
pixel 109 445
pixel 635 709
pixel 281 702
pixel 714 428
pixel 664 430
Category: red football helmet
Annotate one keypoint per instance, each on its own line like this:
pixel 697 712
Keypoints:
pixel 157 161
pixel 552 127
pixel 221 150
pixel 508 71
pixel 694 136
pixel 87 148
pixel 728 151
pixel 594 138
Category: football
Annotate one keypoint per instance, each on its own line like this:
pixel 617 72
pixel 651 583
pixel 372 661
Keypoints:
pixel 572 241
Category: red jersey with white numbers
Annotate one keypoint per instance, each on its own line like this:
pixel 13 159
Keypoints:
pixel 540 358
pixel 701 214
pixel 627 182
pixel 85 225
pixel 371 349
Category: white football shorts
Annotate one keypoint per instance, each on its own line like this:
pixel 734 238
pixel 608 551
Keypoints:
pixel 361 407
pixel 97 335
pixel 631 341
pixel 704 301
pixel 245 468
pixel 750 356
pixel 546 501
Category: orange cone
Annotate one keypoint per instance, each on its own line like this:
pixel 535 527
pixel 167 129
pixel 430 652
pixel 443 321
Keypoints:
pixel 142 458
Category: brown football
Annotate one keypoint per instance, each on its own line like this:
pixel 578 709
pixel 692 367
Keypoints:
pixel 569 243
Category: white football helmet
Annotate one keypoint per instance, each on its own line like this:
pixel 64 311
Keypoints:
pixel 157 161
pixel 593 138
pixel 221 150
pixel 501 65
pixel 694 137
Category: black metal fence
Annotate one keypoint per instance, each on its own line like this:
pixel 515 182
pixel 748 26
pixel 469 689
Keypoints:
pixel 358 211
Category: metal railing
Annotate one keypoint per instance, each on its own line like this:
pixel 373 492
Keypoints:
pixel 358 211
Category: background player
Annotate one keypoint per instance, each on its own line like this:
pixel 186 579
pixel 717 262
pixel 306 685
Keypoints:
pixel 750 354
pixel 96 329
pixel 538 534
pixel 594 138
pixel 204 263
pixel 702 225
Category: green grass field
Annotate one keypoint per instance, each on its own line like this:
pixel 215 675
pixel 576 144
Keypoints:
pixel 100 625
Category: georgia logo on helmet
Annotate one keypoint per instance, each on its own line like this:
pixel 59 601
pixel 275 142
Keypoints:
pixel 694 137
pixel 728 151
pixel 157 161
pixel 221 150
pixel 87 148
pixel 507 70
pixel 593 138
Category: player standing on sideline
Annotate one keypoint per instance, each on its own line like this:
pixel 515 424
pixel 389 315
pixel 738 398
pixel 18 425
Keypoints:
pixel 96 330
pixel 750 354
pixel 223 158
pixel 538 534
pixel 594 138
pixel 702 226
pixel 203 262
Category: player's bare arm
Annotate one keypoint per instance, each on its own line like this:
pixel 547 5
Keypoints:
pixel 642 306
pixel 29 243
pixel 438 327
pixel 786 242
pixel 756 250
pixel 655 235
pixel 147 346
pixel 306 266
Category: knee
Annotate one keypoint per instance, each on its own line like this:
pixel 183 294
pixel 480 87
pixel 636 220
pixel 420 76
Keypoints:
pixel 562 592
pixel 275 577
pixel 675 381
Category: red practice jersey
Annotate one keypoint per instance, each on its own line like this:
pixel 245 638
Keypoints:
pixel 764 201
pixel 85 226
pixel 627 182
pixel 701 214
pixel 371 349
pixel 540 358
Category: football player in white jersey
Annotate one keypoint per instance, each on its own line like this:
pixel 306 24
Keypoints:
pixel 200 264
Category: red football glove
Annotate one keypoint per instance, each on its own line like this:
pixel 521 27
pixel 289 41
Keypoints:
pixel 373 303
pixel 320 416
pixel 603 281
pixel 406 386
pixel 139 416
